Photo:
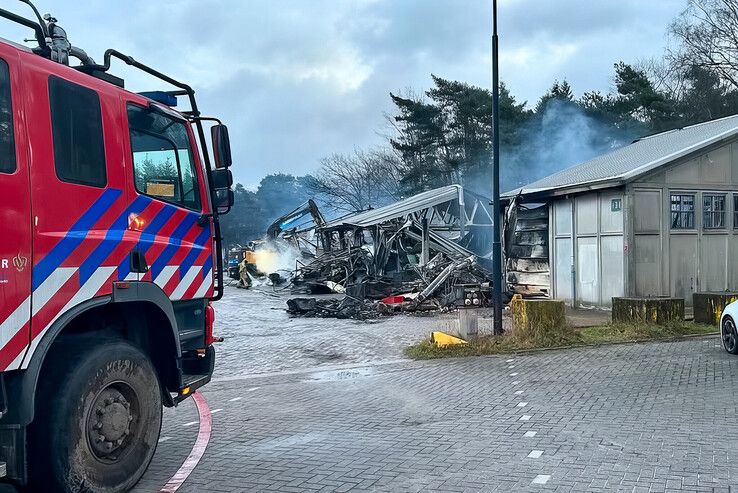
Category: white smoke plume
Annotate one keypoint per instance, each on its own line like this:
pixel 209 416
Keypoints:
pixel 561 136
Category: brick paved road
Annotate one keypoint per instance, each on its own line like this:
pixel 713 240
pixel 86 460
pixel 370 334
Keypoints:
pixel 647 417
pixel 254 321
pixel 260 336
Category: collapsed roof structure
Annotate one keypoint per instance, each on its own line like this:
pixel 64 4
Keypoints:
pixel 456 219
pixel 436 239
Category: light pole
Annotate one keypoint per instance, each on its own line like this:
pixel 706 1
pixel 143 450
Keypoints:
pixel 498 284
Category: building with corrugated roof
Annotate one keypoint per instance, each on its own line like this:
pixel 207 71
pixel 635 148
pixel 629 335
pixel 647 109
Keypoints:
pixel 658 217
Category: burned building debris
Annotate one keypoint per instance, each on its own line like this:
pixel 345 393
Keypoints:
pixel 525 245
pixel 658 217
pixel 426 252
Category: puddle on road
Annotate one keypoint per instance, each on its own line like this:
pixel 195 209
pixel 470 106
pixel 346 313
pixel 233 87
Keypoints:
pixel 322 357
pixel 339 375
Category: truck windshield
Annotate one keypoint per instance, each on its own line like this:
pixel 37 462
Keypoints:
pixel 163 161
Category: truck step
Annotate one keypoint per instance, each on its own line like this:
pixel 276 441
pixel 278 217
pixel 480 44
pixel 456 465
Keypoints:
pixel 193 380
pixel 190 383
pixel 3 469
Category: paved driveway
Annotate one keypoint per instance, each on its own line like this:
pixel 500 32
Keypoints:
pixel 260 337
pixel 642 417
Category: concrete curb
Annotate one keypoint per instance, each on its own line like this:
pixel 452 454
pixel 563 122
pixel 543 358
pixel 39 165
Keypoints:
pixel 578 346
pixel 613 343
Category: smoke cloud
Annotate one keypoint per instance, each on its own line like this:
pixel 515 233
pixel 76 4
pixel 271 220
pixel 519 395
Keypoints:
pixel 276 256
pixel 560 136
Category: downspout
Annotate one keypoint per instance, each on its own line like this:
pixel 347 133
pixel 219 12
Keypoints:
pixel 573 258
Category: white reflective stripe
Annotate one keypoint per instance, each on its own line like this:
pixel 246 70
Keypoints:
pixel 132 276
pixel 165 275
pixel 206 284
pixel 39 299
pixel 16 363
pixel 87 291
pixel 50 287
pixel 15 321
pixel 186 282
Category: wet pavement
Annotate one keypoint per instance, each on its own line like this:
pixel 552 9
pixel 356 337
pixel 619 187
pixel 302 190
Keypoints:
pixel 635 417
pixel 260 337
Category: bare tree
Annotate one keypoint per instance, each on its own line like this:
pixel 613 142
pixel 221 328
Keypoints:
pixel 707 32
pixel 357 181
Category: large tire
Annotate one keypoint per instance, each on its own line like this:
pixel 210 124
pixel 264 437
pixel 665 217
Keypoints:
pixel 97 425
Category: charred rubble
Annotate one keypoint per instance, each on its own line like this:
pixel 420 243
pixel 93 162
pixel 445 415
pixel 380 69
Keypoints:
pixel 427 252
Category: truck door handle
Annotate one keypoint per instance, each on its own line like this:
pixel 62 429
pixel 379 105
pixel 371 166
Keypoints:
pixel 138 262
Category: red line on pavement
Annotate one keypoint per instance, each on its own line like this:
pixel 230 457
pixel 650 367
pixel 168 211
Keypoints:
pixel 203 437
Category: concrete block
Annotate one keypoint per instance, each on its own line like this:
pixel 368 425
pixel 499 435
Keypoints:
pixel 469 323
pixel 529 316
pixel 650 310
pixel 709 306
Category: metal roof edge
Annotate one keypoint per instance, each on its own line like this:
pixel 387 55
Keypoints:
pixel 571 189
pixel 439 195
pixel 634 173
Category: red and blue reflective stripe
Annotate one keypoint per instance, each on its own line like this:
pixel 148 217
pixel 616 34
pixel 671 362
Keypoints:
pixel 147 237
pixel 175 241
pixel 197 247
pixel 207 266
pixel 74 237
pixel 112 239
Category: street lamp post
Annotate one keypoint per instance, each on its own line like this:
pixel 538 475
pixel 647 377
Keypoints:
pixel 498 283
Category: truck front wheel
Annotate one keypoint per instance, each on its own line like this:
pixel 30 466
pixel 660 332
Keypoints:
pixel 97 430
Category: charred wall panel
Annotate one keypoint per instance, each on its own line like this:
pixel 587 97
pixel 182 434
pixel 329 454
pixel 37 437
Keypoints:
pixel 527 263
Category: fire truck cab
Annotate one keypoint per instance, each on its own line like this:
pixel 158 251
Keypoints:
pixel 109 258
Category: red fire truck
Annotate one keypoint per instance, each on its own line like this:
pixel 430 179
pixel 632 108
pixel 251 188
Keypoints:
pixel 110 258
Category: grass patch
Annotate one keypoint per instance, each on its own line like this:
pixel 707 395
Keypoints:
pixel 560 337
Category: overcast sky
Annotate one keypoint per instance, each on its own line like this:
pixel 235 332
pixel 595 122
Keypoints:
pixel 297 80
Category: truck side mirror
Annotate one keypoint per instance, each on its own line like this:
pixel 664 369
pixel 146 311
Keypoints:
pixel 222 178
pixel 221 146
pixel 224 199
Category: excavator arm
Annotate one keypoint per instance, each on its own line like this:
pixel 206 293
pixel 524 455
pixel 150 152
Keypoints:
pixel 290 219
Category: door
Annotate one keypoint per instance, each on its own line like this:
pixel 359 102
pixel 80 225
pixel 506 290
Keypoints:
pixel 79 204
pixel 647 252
pixel 683 266
pixel 175 243
pixel 15 219
pixel 563 252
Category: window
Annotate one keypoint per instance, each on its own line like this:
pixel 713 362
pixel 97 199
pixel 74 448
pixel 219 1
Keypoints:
pixel 735 210
pixel 7 137
pixel 682 211
pixel 76 122
pixel 713 211
pixel 163 162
